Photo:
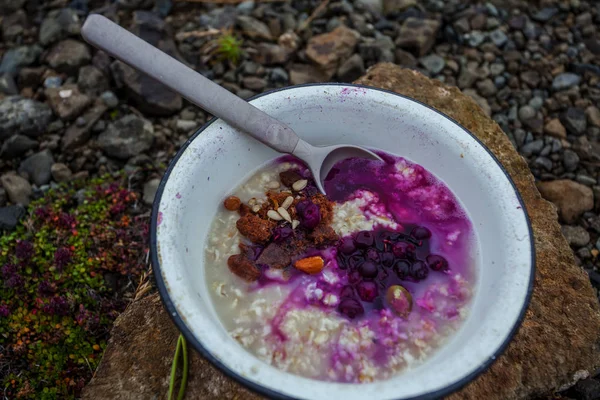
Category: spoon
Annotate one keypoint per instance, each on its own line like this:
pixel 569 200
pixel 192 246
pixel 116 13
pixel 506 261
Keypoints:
pixel 123 45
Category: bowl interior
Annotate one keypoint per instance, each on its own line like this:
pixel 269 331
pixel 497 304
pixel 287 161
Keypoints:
pixel 219 158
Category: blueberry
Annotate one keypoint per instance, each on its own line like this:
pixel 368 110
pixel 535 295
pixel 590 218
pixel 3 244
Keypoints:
pixel 421 233
pixel 387 259
pixel 367 291
pixel 309 214
pixel 437 263
pixel 347 291
pixel 403 250
pixel 402 268
pixel 281 233
pixel 347 246
pixel 419 270
pixel 354 277
pixel 364 239
pixel 372 255
pixel 355 261
pixel 351 308
pixel 368 270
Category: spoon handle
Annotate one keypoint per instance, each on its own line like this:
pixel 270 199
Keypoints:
pixel 139 54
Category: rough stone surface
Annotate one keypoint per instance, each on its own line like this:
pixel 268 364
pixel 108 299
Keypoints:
pixel 37 167
pixel 10 216
pixel 76 135
pixel 17 145
pixel 67 101
pixel 137 361
pixel 571 198
pixel 25 116
pixel 17 188
pixel 128 137
pixel 418 35
pixel 68 55
pixel 329 49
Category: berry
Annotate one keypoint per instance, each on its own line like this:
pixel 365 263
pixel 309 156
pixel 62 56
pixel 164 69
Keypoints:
pixel 351 308
pixel 419 270
pixel 364 239
pixel 368 270
pixel 355 261
pixel 281 233
pixel 309 214
pixel 402 268
pixel 347 246
pixel 372 255
pixel 367 291
pixel 403 250
pixel 437 263
pixel 354 277
pixel 387 259
pixel 421 233
pixel 347 291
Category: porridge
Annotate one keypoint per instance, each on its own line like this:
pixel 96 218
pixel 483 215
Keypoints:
pixel 355 286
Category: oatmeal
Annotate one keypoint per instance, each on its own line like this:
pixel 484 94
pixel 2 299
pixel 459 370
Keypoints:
pixel 354 286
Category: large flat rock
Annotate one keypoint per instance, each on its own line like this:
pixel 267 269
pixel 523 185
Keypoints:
pixel 557 344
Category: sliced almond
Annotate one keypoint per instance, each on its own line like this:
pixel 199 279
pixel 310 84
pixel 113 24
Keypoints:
pixel 286 215
pixel 299 185
pixel 287 202
pixel 274 215
pixel 273 185
pixel 295 224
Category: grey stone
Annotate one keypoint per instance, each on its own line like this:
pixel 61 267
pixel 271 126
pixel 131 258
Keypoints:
pixel 575 120
pixel 531 78
pixel 10 217
pixel 22 115
pixel 37 167
pixel 150 95
pixel 575 235
pixel 533 147
pixel 418 35
pixel 67 56
pixel 565 80
pixel 254 83
pixel 127 137
pixel 545 14
pixel 18 57
pixel 497 69
pixel 77 135
pixel 246 7
pixel 536 102
pixel 110 99
pixel 586 180
pixel 433 63
pixel 556 146
pixel 476 38
pixel 570 160
pixel 58 24
pixel 91 80
pixel 53 82
pixel 519 135
pixel 60 172
pixel 67 102
pixel 17 188
pixel 17 145
pixel 245 93
pixel 279 75
pixel 498 37
pixel 544 163
pixel 8 85
pixel 3 197
pixel 254 28
pixel 526 113
pixel 185 126
pixel 486 88
pixel 500 81
pixel 351 69
pixel 150 189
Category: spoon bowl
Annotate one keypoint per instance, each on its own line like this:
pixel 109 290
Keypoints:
pixel 123 45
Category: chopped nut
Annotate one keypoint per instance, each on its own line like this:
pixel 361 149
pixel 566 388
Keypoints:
pixel 283 212
pixel 274 215
pixel 287 202
pixel 255 208
pixel 295 224
pixel 232 203
pixel 310 265
pixel 299 185
pixel 252 202
pixel 273 185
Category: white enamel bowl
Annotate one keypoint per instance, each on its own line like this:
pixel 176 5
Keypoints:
pixel 217 158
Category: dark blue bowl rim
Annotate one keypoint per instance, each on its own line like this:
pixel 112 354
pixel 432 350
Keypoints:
pixel 269 393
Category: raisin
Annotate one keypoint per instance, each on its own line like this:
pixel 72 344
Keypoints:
pixel 289 177
pixel 232 203
pixel 241 266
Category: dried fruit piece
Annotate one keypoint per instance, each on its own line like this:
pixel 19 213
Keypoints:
pixel 399 300
pixel 274 215
pixel 241 266
pixel 274 256
pixel 310 265
pixel 256 229
pixel 289 177
pixel 299 185
pixel 232 203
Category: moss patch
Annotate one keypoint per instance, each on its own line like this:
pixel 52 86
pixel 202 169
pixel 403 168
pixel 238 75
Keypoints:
pixel 67 272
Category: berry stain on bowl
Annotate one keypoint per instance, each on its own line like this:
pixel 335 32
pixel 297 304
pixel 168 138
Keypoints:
pixel 354 287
